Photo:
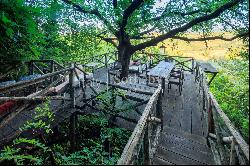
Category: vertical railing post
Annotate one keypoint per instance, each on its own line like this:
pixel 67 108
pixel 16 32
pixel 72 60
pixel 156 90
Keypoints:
pixel 106 60
pixel 192 65
pixel 210 117
pixel 159 111
pixel 31 68
pixel 72 89
pixel 146 156
pixel 232 153
pixel 52 69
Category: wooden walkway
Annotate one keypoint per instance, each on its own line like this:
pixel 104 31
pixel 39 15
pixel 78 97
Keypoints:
pixel 183 139
pixel 185 112
pixel 180 121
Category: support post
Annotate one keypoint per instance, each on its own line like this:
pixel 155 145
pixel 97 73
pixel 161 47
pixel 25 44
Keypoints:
pixel 210 117
pixel 146 159
pixel 192 65
pixel 31 69
pixel 159 112
pixel 72 89
pixel 106 60
pixel 72 133
pixel 73 116
pixel 232 153
pixel 163 84
pixel 52 69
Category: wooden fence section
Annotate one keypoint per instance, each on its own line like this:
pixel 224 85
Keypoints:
pixel 188 63
pixel 226 142
pixel 145 135
pixel 44 66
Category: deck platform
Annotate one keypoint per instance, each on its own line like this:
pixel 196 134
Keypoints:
pixel 183 139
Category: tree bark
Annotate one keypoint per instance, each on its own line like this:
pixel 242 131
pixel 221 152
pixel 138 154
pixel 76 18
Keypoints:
pixel 124 54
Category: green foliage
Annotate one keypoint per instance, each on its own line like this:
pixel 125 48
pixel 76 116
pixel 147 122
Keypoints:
pixel 20 151
pixel 19 31
pixel 231 88
pixel 41 121
pixel 109 101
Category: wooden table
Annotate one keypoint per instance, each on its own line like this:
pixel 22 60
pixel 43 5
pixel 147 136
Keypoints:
pixel 162 70
pixel 208 68
pixel 92 65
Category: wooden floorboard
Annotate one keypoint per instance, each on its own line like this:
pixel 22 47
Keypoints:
pixel 176 158
pixel 159 161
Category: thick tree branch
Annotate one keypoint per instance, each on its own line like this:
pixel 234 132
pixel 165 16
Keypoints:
pixel 185 27
pixel 115 4
pixel 91 12
pixel 212 37
pixel 177 13
pixel 109 40
pixel 127 13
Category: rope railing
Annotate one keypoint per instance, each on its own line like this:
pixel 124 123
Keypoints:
pixel 145 135
pixel 226 142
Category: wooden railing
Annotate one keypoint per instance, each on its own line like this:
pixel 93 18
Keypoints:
pixel 35 81
pixel 64 83
pixel 44 66
pixel 104 59
pixel 188 63
pixel 227 144
pixel 142 143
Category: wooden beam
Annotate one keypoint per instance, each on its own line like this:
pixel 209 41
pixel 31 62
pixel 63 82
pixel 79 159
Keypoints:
pixel 154 119
pixel 38 69
pixel 38 98
pixel 124 88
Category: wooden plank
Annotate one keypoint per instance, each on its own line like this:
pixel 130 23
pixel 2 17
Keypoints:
pixel 159 161
pixel 183 147
pixel 192 138
pixel 36 98
pixel 175 158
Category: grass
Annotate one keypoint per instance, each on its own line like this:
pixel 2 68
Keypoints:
pixel 216 50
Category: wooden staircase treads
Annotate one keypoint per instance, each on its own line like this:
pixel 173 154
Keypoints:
pixel 160 161
pixel 192 137
pixel 193 151
pixel 176 158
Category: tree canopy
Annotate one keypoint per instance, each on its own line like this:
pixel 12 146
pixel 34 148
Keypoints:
pixel 42 29
pixel 134 25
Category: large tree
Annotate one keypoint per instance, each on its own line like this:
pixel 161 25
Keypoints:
pixel 129 23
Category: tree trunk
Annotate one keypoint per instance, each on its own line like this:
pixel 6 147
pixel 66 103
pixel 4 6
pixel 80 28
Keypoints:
pixel 124 55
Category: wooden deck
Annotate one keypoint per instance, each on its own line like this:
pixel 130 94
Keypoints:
pixel 171 128
pixel 183 138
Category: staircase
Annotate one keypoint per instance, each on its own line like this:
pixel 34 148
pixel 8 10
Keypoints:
pixel 177 147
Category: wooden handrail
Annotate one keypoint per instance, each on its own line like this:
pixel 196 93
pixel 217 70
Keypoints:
pixel 134 140
pixel 237 136
pixel 23 84
pixel 216 114
pixel 37 98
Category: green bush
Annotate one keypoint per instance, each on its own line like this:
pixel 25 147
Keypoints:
pixel 231 89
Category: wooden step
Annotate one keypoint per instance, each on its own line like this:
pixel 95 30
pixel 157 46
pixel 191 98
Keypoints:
pixel 182 148
pixel 175 158
pixel 192 137
pixel 159 161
